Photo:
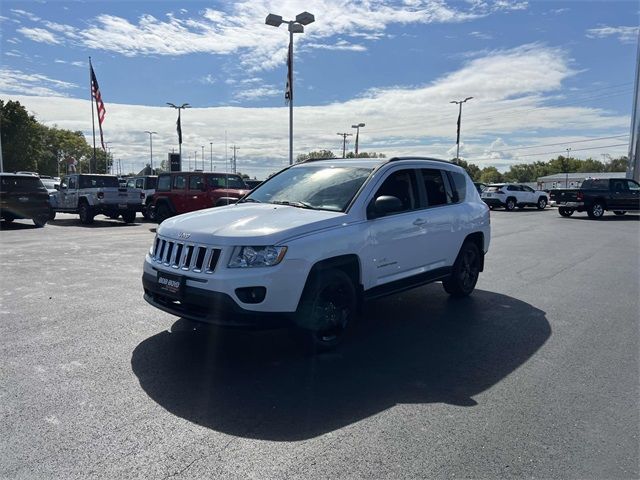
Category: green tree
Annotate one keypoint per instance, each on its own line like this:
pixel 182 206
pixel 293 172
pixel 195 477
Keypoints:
pixel 472 169
pixel 365 155
pixel 617 165
pixel 315 154
pixel 490 175
pixel 21 138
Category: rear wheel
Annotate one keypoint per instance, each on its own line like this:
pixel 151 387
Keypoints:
pixel 596 210
pixel 510 205
pixel 86 213
pixel 542 203
pixel 327 309
pixel 565 212
pixel 465 272
pixel 619 212
pixel 129 216
pixel 52 214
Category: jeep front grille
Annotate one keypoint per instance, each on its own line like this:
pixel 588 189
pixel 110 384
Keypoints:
pixel 185 256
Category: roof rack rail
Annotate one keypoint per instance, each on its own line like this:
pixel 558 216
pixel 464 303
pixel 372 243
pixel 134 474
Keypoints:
pixel 318 159
pixel 396 159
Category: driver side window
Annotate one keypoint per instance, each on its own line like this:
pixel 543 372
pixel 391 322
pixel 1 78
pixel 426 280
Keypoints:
pixel 402 185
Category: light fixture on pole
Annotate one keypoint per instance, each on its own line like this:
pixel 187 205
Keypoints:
pixel 179 125
pixel 459 102
pixel 295 26
pixel 357 127
pixel 151 134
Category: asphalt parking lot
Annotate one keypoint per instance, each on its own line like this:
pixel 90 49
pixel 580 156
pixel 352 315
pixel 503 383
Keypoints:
pixel 536 375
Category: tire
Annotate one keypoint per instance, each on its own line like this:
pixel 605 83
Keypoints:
pixel 162 212
pixel 129 216
pixel 465 272
pixel 113 216
pixel 619 212
pixel 86 213
pixel 41 220
pixel 327 309
pixel 565 212
pixel 596 210
pixel 8 220
pixel 542 203
pixel 510 204
pixel 52 214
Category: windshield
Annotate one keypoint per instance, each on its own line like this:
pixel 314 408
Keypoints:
pixel 313 186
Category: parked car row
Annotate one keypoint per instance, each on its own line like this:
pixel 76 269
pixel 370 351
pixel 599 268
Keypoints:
pixel 512 195
pixel 595 196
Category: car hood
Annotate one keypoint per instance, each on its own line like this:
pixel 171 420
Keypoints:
pixel 248 224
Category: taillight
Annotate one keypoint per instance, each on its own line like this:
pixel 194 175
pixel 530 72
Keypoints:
pixel 580 196
pixel 100 195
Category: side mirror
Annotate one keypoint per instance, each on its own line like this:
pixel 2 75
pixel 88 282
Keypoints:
pixel 384 205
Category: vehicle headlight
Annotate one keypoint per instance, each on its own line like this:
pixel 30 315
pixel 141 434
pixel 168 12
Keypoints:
pixel 256 256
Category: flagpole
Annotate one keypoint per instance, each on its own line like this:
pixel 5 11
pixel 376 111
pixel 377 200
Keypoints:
pixel 291 96
pixel 93 122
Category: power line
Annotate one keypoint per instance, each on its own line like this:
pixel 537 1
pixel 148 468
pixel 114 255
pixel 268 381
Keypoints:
pixel 561 143
pixel 573 150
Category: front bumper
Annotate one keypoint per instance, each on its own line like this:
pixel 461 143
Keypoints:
pixel 570 204
pixel 216 308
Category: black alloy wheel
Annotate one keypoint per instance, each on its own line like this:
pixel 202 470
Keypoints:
pixel 465 272
pixel 596 211
pixel 327 309
pixel 510 205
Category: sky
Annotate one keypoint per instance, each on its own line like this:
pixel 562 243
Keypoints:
pixel 544 76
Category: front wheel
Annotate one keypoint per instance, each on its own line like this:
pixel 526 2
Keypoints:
pixel 465 272
pixel 327 309
pixel 565 212
pixel 510 205
pixel 596 210
pixel 619 212
pixel 163 212
pixel 542 203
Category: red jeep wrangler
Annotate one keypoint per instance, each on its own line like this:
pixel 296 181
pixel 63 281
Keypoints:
pixel 181 192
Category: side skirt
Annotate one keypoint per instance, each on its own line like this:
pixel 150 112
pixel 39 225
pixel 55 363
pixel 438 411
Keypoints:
pixel 407 283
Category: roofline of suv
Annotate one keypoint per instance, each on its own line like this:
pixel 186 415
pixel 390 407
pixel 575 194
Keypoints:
pixel 392 159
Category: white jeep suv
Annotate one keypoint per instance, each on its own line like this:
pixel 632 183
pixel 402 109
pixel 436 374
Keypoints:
pixel 311 243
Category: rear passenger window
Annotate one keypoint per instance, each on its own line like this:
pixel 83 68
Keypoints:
pixel 179 182
pixel 460 186
pixel 140 183
pixel 435 187
pixel 194 180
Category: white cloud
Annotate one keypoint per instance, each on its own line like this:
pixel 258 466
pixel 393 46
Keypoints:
pixel 256 93
pixel 39 35
pixel 208 79
pixel 624 34
pixel 239 30
pixel 339 45
pixel 15 82
pixel 481 35
pixel 25 14
pixel 513 94
pixel 75 64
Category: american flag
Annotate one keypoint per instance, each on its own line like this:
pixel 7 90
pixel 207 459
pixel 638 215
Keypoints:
pixel 288 93
pixel 95 93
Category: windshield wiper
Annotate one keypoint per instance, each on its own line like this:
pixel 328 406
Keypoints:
pixel 249 200
pixel 293 203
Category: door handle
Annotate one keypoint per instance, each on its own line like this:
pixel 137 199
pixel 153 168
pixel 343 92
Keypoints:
pixel 419 221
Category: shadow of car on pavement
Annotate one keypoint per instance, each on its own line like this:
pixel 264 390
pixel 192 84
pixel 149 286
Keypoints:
pixel 418 347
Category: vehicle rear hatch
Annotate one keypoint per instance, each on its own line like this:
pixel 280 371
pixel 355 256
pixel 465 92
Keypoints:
pixel 23 196
pixel 564 195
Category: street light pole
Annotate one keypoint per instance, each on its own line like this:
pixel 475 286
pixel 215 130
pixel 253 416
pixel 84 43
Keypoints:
pixel 179 126
pixel 566 169
pixel 357 127
pixel 151 134
pixel 202 157
pixel 295 26
pixel 211 157
pixel 459 102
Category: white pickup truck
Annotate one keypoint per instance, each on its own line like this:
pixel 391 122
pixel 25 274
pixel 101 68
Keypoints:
pixel 91 194
pixel 307 246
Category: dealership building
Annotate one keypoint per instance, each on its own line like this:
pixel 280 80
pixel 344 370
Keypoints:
pixel 572 180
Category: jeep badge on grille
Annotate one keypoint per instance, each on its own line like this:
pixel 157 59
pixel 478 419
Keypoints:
pixel 184 235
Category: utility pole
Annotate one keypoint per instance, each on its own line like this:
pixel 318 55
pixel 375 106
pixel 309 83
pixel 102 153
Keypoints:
pixel 566 169
pixel 211 157
pixel 344 136
pixel 235 164
pixel 459 102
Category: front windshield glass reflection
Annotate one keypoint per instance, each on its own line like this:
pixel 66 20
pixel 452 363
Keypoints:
pixel 318 187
